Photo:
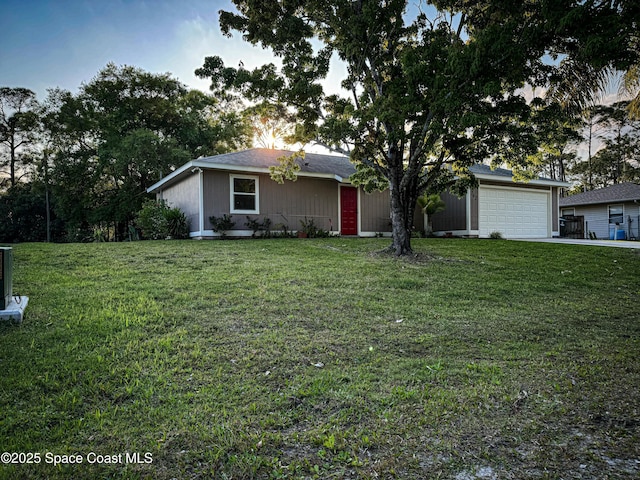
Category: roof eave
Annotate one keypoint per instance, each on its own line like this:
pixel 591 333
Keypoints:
pixel 232 168
pixel 599 202
pixel 510 180
pixel 172 176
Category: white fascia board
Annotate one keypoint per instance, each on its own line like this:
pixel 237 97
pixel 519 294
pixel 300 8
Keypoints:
pixel 344 181
pixel 249 169
pixel 171 176
pixel 234 168
pixel 509 180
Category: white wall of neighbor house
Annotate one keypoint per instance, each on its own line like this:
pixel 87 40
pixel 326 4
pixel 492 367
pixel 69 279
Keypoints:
pixel 597 217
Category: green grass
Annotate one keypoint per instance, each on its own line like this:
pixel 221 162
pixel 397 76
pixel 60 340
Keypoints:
pixel 324 359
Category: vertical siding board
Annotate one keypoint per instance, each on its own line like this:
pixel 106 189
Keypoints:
pixel 596 220
pixel 454 216
pixel 291 202
pixel 216 196
pixel 633 210
pixel 375 211
pixel 185 195
pixel 474 209
pixel 555 219
pixel 285 204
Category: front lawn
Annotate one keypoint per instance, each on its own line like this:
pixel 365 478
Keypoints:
pixel 323 359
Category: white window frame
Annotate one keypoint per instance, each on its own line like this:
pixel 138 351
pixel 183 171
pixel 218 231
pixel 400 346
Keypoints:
pixel 232 194
pixel 616 205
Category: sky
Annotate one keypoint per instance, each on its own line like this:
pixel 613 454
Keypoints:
pixel 63 43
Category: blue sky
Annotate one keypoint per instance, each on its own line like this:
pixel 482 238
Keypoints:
pixel 48 44
pixel 63 43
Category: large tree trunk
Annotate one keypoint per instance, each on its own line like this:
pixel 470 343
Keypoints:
pixel 403 202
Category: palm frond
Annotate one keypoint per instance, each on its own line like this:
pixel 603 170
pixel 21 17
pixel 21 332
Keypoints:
pixel 578 85
pixel 630 86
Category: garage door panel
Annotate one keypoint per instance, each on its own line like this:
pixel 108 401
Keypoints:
pixel 513 213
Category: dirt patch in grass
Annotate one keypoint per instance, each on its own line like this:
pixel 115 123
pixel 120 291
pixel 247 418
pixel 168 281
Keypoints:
pixel 415 258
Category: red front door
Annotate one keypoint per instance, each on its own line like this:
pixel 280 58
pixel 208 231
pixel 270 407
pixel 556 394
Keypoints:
pixel 348 211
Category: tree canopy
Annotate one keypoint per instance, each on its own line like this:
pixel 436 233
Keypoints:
pixel 18 126
pixel 98 151
pixel 618 159
pixel 431 88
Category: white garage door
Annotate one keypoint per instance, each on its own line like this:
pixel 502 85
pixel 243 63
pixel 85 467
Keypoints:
pixel 515 213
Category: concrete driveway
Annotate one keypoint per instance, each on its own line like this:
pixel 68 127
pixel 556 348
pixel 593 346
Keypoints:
pixel 574 241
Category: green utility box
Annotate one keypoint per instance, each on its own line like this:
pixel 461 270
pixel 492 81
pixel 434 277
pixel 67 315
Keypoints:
pixel 6 267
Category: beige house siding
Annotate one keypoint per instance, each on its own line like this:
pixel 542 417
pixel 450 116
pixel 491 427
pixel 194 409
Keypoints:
pixel 290 203
pixel 216 195
pixel 319 199
pixel 475 209
pixel 285 204
pixel 375 212
pixel 454 215
pixel 555 216
pixel 185 195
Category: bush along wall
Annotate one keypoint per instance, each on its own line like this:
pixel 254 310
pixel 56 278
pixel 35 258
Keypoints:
pixel 157 221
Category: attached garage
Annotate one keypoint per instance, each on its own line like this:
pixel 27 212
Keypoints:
pixel 514 212
pixel 502 204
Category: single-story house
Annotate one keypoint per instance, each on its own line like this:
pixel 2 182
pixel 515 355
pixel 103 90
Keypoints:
pixel 500 204
pixel 612 212
pixel 239 184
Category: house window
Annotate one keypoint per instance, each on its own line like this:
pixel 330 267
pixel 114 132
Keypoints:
pixel 616 214
pixel 244 194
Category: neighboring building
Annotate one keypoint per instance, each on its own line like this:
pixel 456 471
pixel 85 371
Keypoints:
pixel 499 204
pixel 239 184
pixel 607 213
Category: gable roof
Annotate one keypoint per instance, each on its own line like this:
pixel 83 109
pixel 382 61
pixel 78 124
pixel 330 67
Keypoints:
pixel 265 158
pixel 621 192
pixel 337 167
pixel 482 169
pixel 258 160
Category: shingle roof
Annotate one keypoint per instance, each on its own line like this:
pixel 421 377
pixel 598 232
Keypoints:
pixel 482 169
pixel 265 158
pixel 335 166
pixel 622 192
